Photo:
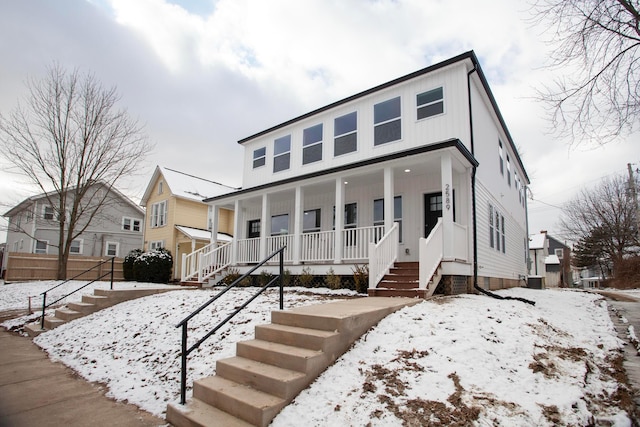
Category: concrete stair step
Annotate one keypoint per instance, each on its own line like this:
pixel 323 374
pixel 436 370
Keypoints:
pixel 199 414
pixel 244 402
pixel 68 314
pixel 312 339
pixel 51 322
pixel 97 300
pixel 33 329
pixel 280 382
pixel 83 307
pixel 281 355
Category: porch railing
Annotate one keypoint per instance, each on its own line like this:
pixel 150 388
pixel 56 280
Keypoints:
pixel 355 241
pixel 249 250
pixel 279 241
pixel 318 246
pixel 205 262
pixel 430 254
pixel 382 255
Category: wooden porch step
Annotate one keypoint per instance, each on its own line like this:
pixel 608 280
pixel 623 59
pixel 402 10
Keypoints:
pixel 191 284
pixel 407 293
pixel 398 285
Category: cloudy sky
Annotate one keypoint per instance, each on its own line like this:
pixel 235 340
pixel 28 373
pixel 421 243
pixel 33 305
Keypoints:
pixel 202 74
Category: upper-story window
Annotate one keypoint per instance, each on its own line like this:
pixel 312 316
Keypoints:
pixel 387 123
pixel 430 103
pixel 160 187
pixel 47 212
pixel 130 224
pixel 259 157
pixel 312 144
pixel 281 153
pixel 501 154
pixel 508 171
pixel 345 134
pixel 159 214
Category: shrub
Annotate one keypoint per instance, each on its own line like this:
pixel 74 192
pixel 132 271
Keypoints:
pixel 127 264
pixel 361 278
pixel 332 280
pixel 305 279
pixel 232 275
pixel 154 266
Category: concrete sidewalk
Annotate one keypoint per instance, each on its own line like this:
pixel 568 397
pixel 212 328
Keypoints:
pixel 37 392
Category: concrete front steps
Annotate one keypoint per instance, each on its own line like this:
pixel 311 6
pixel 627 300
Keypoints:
pixel 101 298
pixel 286 355
pixel 403 281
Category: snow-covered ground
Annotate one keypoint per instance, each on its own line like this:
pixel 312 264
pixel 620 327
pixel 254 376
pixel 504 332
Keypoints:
pixel 465 360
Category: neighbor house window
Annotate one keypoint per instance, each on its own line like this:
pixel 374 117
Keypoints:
pixel 430 103
pixel 47 212
pixel 159 214
pixel 387 123
pixel 281 153
pixel 160 187
pixel 378 213
pixel 111 248
pixel 311 221
pixel 259 157
pixel 280 224
pixel 76 247
pixel 41 246
pixel 558 253
pixel 345 134
pixel 500 153
pixel 253 228
pixel 130 224
pixel 156 244
pixel 312 144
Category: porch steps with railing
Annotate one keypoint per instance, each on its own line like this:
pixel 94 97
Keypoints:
pixel 403 281
pixel 283 359
pixel 101 298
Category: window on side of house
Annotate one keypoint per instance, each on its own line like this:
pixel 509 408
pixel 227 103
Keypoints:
pixel 508 171
pixel 160 187
pixel 130 224
pixel 259 157
pixel 47 212
pixel 253 228
pixel 159 214
pixel 430 103
pixel 312 144
pixel 387 122
pixel 111 248
pixel 502 234
pixel 491 228
pixel 280 225
pixel 282 153
pixel 378 213
pixel 558 252
pixel 76 247
pixel 311 221
pixel 501 155
pixel 156 244
pixel 497 214
pixel 345 134
pixel 41 246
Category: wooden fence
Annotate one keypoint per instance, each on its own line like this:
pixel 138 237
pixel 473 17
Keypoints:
pixel 23 267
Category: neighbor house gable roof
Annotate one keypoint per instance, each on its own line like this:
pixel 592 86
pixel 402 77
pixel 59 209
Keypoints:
pixel 184 185
pixel 536 241
pixel 474 64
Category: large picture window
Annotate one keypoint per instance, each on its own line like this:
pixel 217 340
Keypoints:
pixel 345 134
pixel 311 221
pixel 280 224
pixel 281 153
pixel 430 103
pixel 312 144
pixel 387 123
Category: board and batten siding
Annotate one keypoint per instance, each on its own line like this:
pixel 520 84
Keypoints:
pixel 454 123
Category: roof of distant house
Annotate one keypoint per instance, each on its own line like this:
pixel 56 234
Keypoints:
pixel 536 241
pixel 200 234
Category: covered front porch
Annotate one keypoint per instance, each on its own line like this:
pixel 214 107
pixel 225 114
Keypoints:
pixel 393 210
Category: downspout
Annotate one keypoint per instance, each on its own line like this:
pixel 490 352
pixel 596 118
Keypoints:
pixel 473 203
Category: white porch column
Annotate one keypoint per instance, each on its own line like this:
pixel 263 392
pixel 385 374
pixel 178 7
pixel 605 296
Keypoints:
pixel 298 217
pixel 264 226
pixel 339 220
pixel 388 199
pixel 447 205
pixel 215 215
pixel 237 234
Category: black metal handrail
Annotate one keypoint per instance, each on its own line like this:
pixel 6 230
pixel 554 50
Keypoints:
pixel 44 294
pixel 186 351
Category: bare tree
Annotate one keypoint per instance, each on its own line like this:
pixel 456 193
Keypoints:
pixel 70 140
pixel 602 221
pixel 596 97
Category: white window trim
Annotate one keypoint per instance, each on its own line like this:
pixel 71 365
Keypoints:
pixel 284 153
pixel 156 244
pixel 44 212
pixel 351 132
pixel 159 214
pixel 444 105
pixel 81 246
pixel 106 248
pixel 46 247
pixel 262 157
pixel 131 224
pixel 384 122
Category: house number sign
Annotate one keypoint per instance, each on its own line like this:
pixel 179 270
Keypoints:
pixel 447 196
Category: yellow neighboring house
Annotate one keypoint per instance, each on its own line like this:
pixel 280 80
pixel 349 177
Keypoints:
pixel 177 219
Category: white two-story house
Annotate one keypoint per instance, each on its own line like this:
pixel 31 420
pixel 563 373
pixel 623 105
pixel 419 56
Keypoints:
pixel 422 170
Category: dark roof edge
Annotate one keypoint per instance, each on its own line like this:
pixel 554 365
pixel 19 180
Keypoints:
pixel 461 57
pixel 455 143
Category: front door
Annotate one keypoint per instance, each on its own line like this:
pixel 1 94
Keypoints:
pixel 432 211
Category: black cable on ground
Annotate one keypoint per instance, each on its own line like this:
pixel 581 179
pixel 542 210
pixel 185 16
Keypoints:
pixel 496 296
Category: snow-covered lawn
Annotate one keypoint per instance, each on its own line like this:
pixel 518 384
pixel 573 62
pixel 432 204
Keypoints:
pixel 465 360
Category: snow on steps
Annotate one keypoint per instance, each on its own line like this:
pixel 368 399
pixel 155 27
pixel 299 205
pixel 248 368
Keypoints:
pixel 102 298
pixel 403 281
pixel 283 359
